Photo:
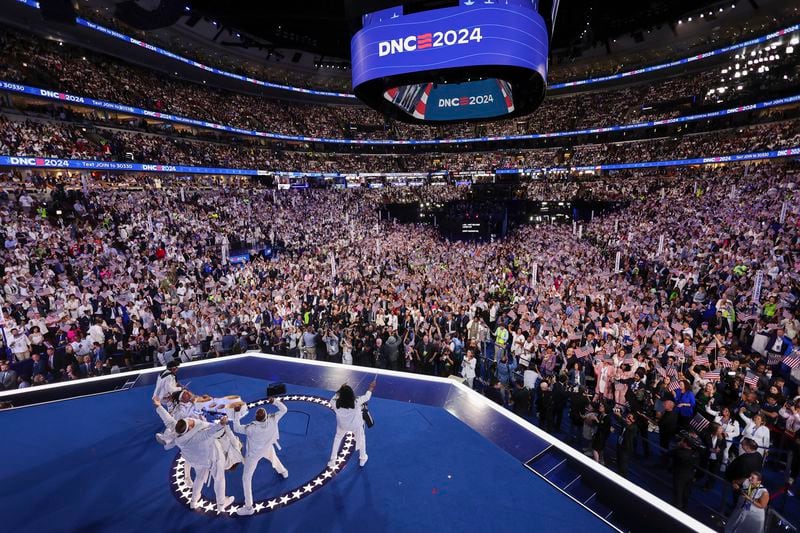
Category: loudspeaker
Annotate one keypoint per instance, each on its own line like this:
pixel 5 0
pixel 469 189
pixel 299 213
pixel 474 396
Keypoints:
pixel 61 11
pixel 276 389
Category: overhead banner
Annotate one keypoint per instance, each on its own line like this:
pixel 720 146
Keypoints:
pixel 82 164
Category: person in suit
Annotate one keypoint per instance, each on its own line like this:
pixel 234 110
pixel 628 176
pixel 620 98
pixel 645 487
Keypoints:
pixel 778 343
pixel 521 399
pixel 8 377
pixel 602 431
pixel 544 405
pixel 626 443
pixel 560 397
pixel 349 418
pixel 749 461
pixel 667 424
pixel 684 464
pixel 55 363
pixel 86 368
pixel 39 366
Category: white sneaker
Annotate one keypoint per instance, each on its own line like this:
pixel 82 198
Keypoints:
pixel 362 460
pixel 192 505
pixel 285 474
pixel 160 439
pixel 245 511
pixel 225 504
pixel 331 464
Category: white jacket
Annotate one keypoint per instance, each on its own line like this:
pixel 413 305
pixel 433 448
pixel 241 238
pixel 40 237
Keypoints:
pixel 350 419
pixel 759 434
pixel 260 435
pixel 468 368
pixel 166 384
pixel 199 445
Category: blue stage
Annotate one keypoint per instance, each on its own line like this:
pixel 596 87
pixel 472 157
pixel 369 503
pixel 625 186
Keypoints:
pixel 440 458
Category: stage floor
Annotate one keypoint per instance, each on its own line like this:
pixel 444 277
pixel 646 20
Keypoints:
pixel 92 464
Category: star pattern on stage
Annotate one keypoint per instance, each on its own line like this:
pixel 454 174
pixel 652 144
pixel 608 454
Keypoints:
pixel 183 491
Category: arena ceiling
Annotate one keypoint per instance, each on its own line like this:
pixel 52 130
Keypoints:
pixel 325 26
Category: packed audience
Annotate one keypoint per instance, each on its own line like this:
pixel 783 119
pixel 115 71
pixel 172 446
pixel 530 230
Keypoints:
pixel 676 311
pixel 675 332
pixel 65 140
pixel 28 59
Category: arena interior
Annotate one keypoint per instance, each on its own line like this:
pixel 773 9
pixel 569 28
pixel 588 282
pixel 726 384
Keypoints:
pixel 540 258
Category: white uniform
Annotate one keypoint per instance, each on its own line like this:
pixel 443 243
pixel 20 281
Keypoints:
pixel 262 437
pixel 166 385
pixel 350 420
pixel 200 446
pixel 169 440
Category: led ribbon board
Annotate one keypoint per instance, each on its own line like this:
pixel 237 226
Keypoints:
pixel 481 59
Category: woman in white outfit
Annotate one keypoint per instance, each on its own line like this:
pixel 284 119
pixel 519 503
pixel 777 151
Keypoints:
pixel 262 438
pixel 468 369
pixel 729 425
pixel 349 419
pixel 750 512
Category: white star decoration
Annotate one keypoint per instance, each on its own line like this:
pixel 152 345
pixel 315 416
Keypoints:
pixel 184 491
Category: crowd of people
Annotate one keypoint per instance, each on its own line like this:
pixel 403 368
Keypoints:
pixel 675 332
pixel 41 138
pixel 28 59
pixel 677 311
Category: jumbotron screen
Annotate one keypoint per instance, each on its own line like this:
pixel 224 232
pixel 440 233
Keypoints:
pixel 479 59
pixel 454 101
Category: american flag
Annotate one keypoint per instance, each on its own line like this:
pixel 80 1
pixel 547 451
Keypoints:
pixel 674 385
pixel 714 375
pixel 671 372
pixel 699 423
pixel 792 360
pixel 701 360
pixel 751 379
pixel 583 351
pixel 724 362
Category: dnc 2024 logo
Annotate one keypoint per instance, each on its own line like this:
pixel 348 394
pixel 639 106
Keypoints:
pixel 425 41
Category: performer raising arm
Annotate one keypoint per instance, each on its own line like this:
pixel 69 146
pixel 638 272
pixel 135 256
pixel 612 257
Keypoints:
pixel 167 382
pixel 200 446
pixel 349 419
pixel 262 438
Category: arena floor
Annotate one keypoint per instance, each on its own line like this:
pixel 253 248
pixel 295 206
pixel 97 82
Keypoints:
pixel 92 464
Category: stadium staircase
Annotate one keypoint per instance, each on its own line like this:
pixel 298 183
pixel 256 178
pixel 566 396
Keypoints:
pixel 576 481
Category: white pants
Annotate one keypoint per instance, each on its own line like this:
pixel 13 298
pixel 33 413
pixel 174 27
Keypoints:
pixel 217 472
pixel 361 442
pixel 231 447
pixel 250 464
